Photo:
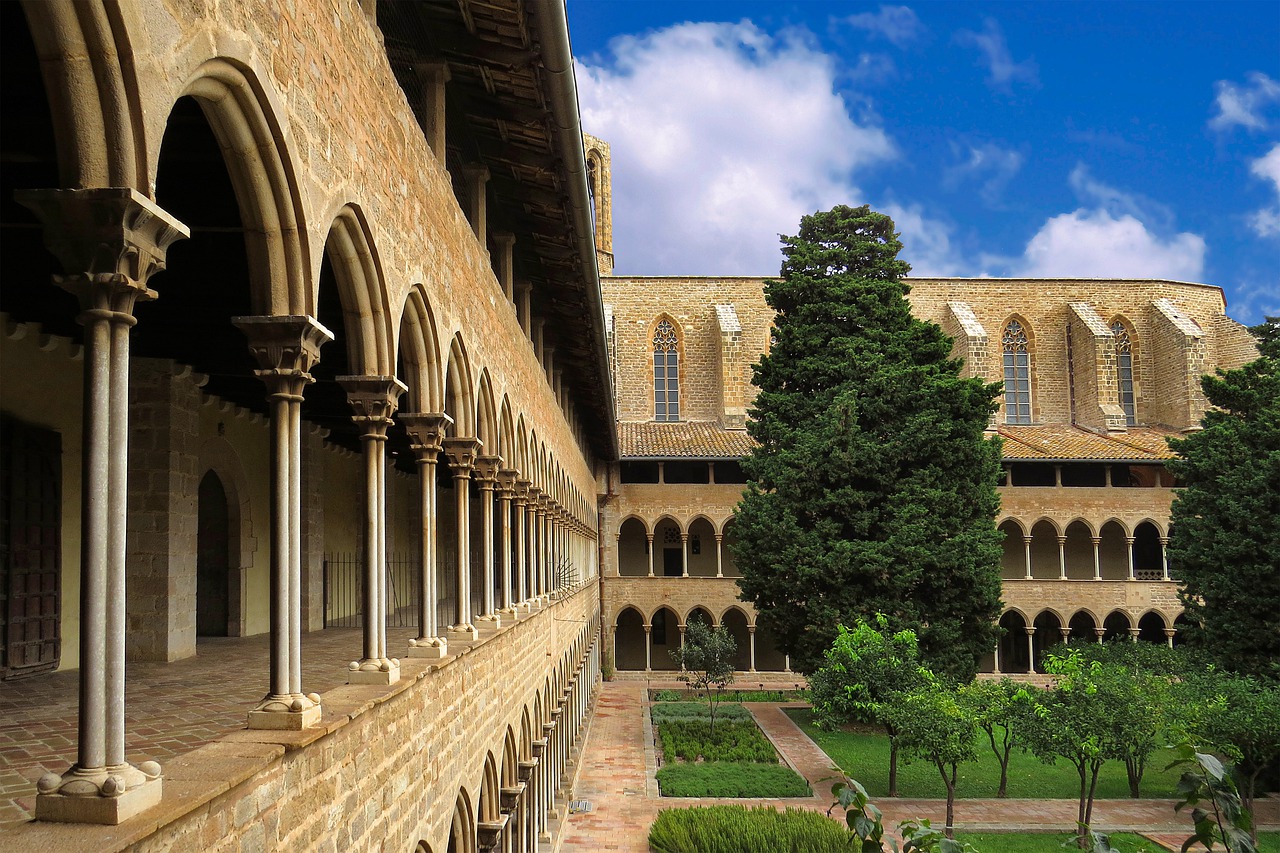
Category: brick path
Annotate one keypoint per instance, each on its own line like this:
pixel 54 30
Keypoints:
pixel 612 776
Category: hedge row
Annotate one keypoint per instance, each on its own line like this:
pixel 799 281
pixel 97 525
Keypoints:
pixel 731 779
pixel 693 740
pixel 697 711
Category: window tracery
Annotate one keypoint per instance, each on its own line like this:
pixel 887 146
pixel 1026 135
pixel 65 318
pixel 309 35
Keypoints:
pixel 1017 373
pixel 1124 370
pixel 666 372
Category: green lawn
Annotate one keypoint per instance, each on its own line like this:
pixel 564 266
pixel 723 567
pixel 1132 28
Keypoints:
pixel 1048 842
pixel 865 757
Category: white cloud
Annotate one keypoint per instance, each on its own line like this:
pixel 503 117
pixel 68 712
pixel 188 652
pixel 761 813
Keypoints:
pixel 722 137
pixel 926 242
pixel 1266 222
pixel 1117 202
pixel 1002 71
pixel 987 164
pixel 1096 244
pixel 897 24
pixel 1245 105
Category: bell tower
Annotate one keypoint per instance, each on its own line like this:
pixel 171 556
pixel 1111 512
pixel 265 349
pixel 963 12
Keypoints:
pixel 600 181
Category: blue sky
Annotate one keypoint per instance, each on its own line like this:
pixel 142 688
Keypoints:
pixel 1127 140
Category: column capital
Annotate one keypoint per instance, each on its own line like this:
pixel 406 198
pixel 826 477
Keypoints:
pixel 507 479
pixel 373 401
pixel 109 240
pixel 486 470
pixel 434 71
pixel 286 347
pixel 427 431
pixel 462 453
pixel 476 172
pixel 503 239
pixel 523 286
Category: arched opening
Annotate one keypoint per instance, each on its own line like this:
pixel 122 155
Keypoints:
pixel 1044 550
pixel 633 549
pixel 213 558
pixel 735 622
pixel 769 658
pixel 1148 557
pixel 629 640
pixel 462 830
pixel 1083 627
pixel 1180 625
pixel 1116 627
pixel 1113 552
pixel 728 537
pixel 1151 628
pixel 669 559
pixel 664 637
pixel 1015 655
pixel 1048 634
pixel 702 549
pixel 701 614
pixel 1079 551
pixel 1013 557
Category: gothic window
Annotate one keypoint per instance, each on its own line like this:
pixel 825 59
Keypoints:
pixel 666 373
pixel 1124 370
pixel 1017 374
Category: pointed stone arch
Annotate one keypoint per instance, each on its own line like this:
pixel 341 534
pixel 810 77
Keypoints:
pixel 418 353
pixel 363 292
pixel 486 417
pixel 459 390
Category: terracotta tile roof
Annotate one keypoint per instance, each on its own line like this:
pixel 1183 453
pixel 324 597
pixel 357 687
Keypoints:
pixel 1063 441
pixel 682 440
pixel 708 440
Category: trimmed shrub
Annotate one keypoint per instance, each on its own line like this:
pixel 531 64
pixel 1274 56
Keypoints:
pixel 693 740
pixel 733 829
pixel 732 779
pixel 667 695
pixel 696 711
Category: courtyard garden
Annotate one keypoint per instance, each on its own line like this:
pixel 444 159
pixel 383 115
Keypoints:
pixel 733 758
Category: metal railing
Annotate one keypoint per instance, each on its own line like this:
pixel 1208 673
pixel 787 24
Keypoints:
pixel 343 589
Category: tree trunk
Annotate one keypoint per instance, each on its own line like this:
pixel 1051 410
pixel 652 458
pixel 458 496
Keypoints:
pixel 1133 770
pixel 1088 813
pixel 893 766
pixel 1004 775
pixel 1082 818
pixel 950 829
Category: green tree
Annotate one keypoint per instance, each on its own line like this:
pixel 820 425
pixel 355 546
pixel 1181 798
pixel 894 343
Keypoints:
pixel 1080 720
pixel 706 662
pixel 871 487
pixel 1239 716
pixel 864 667
pixel 932 724
pixel 1225 529
pixel 993 706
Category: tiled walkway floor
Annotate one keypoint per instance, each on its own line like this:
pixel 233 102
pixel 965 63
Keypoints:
pixel 613 779
pixel 170 708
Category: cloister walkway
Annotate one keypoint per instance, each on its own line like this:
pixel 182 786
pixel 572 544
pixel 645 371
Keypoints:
pixel 612 776
pixel 170 708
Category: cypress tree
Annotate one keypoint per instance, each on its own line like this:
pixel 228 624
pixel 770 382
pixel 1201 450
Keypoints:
pixel 872 488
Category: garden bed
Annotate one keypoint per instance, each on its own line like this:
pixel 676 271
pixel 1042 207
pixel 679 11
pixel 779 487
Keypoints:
pixel 733 759
pixel 687 695
pixel 733 829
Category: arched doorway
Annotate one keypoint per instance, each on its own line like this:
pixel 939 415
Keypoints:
pixel 629 640
pixel 664 636
pixel 462 833
pixel 1013 558
pixel 1015 656
pixel 1116 627
pixel 633 549
pixel 1048 634
pixel 702 549
pixel 1113 552
pixel 1044 550
pixel 1148 557
pixel 213 558
pixel 1083 628
pixel 1151 628
pixel 736 624
pixel 1078 551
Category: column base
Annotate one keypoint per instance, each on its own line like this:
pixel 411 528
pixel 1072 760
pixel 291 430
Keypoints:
pixel 433 648
pixel 465 633
pixel 108 796
pixel 512 612
pixel 491 620
pixel 373 671
pixel 291 713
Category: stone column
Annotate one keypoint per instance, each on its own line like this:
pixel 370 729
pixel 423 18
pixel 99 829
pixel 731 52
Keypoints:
pixel 486 474
pixel 649 542
pixel 432 77
pixel 648 648
pixel 110 242
pixel 996 668
pixel 524 307
pixel 524 580
pixel 1026 548
pixel 1168 636
pixel 719 555
pixel 684 555
pixel 1164 557
pixel 427 432
pixel 373 400
pixel 1062 558
pixel 477 176
pixel 751 645
pixel 505 243
pixel 506 497
pixel 1133 634
pixel 1097 558
pixel 461 453
pixel 286 348
pixel 1100 633
pixel 544 546
pixel 1128 545
pixel 1031 649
